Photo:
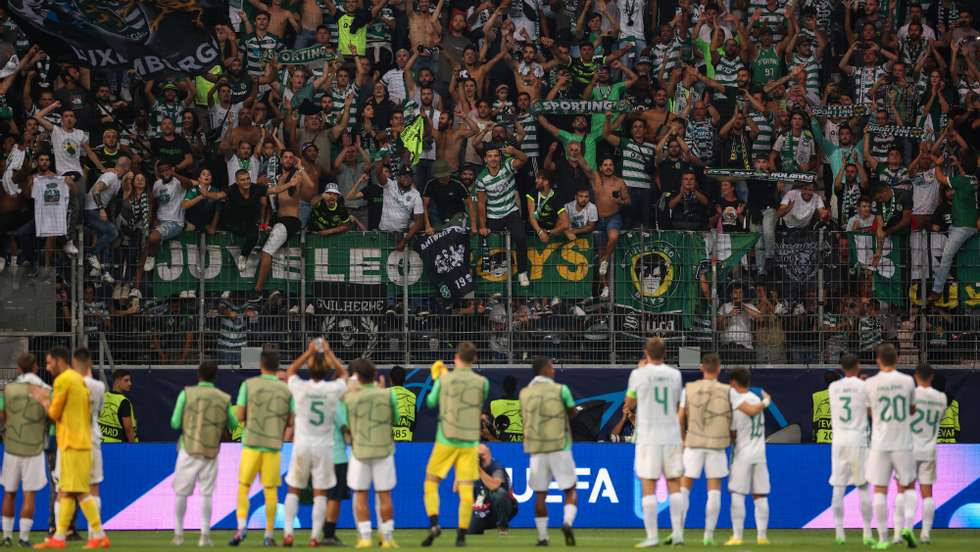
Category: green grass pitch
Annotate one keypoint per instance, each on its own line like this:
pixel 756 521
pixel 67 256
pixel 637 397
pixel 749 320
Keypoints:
pixel 588 539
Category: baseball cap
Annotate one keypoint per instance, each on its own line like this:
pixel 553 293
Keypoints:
pixel 169 86
pixel 332 188
pixel 644 59
pixel 308 145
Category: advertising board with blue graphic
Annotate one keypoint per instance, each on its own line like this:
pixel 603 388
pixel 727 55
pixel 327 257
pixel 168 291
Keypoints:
pixel 138 495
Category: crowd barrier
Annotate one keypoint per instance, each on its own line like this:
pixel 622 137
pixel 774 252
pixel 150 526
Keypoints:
pixel 609 494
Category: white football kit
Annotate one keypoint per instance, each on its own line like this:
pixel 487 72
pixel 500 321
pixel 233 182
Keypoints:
pixel 750 473
pixel 849 422
pixel 890 395
pixel 930 405
pixel 316 406
pixel 657 389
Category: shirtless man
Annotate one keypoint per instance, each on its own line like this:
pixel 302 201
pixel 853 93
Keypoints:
pixel 610 194
pixel 287 192
pixel 245 131
pixel 657 116
pixel 424 28
pixel 449 139
pixel 311 17
pixel 280 17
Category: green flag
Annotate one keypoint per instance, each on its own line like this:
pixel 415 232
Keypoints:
pixel 412 138
pixel 889 272
pixel 663 271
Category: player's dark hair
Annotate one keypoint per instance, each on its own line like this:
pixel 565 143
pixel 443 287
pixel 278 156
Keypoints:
pixel 655 348
pixel 60 353
pixel 466 351
pixel 120 374
pixel 82 354
pixel 711 362
pixel 25 363
pixel 364 370
pixel 741 376
pixel 925 371
pixel 207 371
pixel 397 375
pixel 318 367
pixel 269 358
pixel 538 366
pixel 849 362
pixel 887 354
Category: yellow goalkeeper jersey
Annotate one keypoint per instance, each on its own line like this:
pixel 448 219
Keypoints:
pixel 71 411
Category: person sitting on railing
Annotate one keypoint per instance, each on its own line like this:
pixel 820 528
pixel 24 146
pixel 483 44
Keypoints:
pixel 548 218
pixel 97 214
pixel 168 214
pixel 611 196
pixel 244 208
pixel 801 208
pixel 287 224
pixel 446 200
pixel 893 214
pixel 498 203
pixel 963 213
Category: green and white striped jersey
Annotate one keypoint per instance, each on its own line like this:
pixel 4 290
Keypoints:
pixel 529 145
pixel 501 190
pixel 635 158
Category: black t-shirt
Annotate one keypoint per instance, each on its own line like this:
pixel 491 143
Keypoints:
pixel 326 218
pixel 78 101
pixel 171 151
pixel 374 195
pixel 892 210
pixel 762 196
pixel 449 198
pixel 546 209
pixel 727 103
pixel 730 221
pixel 242 211
pixel 240 86
pixel 689 214
pixel 734 152
pixel 568 180
pixel 670 174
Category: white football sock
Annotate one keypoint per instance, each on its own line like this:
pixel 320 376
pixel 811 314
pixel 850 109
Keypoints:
pixel 542 524
pixel 686 494
pixel 898 516
pixel 649 503
pixel 387 529
pixel 289 515
pixel 837 505
pixel 364 529
pixel 676 514
pixel 738 515
pixel 928 514
pixel 8 527
pixel 206 515
pixel 25 528
pixel 865 494
pixel 911 505
pixel 319 516
pixel 711 510
pixel 880 506
pixel 180 509
pixel 570 511
pixel 762 517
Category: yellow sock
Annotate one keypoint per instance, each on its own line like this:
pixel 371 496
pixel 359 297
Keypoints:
pixel 91 511
pixel 66 510
pixel 241 509
pixel 430 493
pixel 271 501
pixel 465 504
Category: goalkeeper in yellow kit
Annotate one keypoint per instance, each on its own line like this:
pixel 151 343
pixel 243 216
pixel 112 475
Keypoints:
pixel 70 410
pixel 459 395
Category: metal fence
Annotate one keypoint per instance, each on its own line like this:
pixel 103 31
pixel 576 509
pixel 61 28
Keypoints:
pixel 801 300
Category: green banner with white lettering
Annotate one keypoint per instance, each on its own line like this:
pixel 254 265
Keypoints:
pixel 559 268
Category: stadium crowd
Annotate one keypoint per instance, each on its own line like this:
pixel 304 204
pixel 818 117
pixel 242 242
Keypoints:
pixel 879 99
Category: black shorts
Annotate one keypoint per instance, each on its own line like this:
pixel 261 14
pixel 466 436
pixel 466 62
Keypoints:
pixel 340 491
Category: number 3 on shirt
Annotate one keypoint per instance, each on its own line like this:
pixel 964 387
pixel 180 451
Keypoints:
pixel 316 414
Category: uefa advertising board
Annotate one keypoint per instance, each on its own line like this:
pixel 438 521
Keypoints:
pixel 137 493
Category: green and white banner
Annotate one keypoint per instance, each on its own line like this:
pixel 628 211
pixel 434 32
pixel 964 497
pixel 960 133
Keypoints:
pixel 742 174
pixel 559 268
pixel 304 55
pixel 896 131
pixel 835 111
pixel 662 272
pixel 888 272
pixel 581 107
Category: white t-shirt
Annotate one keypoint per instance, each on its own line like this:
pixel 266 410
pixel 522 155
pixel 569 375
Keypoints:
pixel 234 164
pixel 51 196
pixel 739 328
pixel 631 14
pixel 218 115
pixel 657 390
pixel 856 222
pixel 802 212
pixel 849 412
pixel 169 196
pixel 394 80
pixel 580 219
pixel 399 207
pixel 96 398
pixel 750 431
pixel 930 406
pixel 316 406
pixel 67 148
pixel 891 395
pixel 14 163
pixel 112 185
pixel 926 193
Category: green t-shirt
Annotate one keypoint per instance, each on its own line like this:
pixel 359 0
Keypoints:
pixel 243 401
pixel 964 208
pixel 432 401
pixel 588 141
pixel 600 92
